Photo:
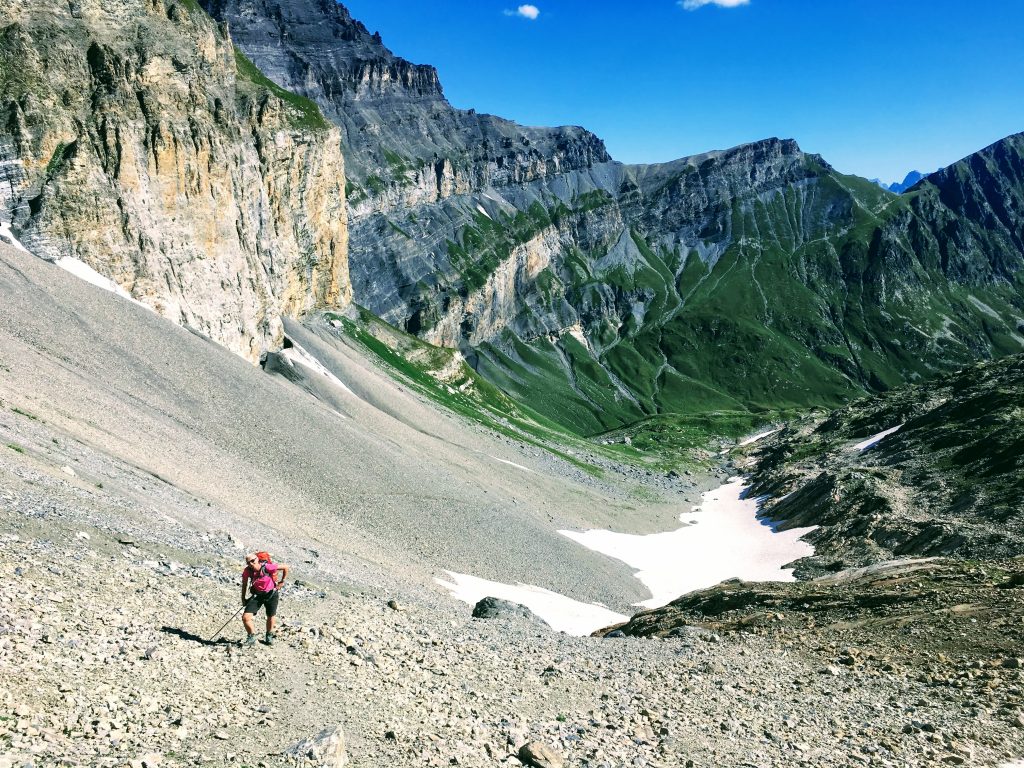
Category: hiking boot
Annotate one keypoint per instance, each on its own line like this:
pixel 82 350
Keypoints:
pixel 270 638
pixel 249 642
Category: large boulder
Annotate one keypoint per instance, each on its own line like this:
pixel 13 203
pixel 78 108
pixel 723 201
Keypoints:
pixel 496 608
pixel 325 750
pixel 539 755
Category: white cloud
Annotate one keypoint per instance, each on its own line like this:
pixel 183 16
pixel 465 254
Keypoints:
pixel 530 12
pixel 693 5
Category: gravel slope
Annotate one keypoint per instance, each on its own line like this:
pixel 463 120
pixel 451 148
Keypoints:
pixel 390 499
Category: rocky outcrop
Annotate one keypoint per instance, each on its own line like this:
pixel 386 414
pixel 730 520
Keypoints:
pixel 325 750
pixel 925 597
pixel 135 139
pixel 929 470
pixel 540 755
pixel 496 608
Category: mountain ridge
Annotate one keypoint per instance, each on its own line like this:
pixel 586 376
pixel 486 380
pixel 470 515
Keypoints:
pixel 588 287
pixel 745 280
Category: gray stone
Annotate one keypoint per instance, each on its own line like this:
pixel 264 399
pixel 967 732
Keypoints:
pixel 539 755
pixel 496 608
pixel 325 750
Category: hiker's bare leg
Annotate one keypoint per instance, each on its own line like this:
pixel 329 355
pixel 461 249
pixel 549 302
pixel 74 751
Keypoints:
pixel 247 622
pixel 270 623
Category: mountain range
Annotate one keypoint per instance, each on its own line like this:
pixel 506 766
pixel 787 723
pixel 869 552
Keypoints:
pixel 743 282
pixel 603 294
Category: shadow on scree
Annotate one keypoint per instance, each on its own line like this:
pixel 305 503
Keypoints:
pixel 184 635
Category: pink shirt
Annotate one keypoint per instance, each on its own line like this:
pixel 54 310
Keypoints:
pixel 261 582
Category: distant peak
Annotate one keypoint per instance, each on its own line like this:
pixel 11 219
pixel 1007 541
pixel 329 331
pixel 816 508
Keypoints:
pixel 900 187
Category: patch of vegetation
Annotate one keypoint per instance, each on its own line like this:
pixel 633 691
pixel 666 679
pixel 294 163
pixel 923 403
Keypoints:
pixel 56 158
pixel 488 242
pixel 589 201
pixel 399 230
pixel 303 113
pixel 398 164
pixel 462 391
pixel 354 193
pixel 193 7
pixel 15 448
pixel 26 414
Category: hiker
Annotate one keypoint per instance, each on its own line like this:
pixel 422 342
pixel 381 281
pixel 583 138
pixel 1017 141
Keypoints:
pixel 263 579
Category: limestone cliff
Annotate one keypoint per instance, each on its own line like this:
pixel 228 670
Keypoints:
pixel 135 138
pixel 408 151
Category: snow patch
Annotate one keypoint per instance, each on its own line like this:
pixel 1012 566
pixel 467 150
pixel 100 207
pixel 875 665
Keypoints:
pixel 722 539
pixel 875 439
pixel 563 614
pixel 8 235
pixel 481 209
pixel 297 355
pixel 510 463
pixel 759 436
pixel 83 271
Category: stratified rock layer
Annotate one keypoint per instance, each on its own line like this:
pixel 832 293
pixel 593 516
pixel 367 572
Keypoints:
pixel 135 139
pixel 744 280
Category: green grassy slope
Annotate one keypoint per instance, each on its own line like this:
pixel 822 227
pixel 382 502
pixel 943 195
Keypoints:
pixel 827 289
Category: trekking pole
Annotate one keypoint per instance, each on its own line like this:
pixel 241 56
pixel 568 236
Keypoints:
pixel 226 623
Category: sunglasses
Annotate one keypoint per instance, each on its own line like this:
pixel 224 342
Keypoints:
pixel 252 562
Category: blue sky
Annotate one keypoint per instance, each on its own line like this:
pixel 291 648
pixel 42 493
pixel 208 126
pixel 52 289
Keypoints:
pixel 878 87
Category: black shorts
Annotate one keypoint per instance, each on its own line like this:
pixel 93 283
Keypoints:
pixel 267 600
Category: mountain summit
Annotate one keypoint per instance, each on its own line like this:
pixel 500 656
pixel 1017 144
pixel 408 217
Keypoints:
pixel 899 187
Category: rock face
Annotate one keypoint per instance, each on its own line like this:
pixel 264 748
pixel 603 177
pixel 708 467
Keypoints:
pixel 948 481
pixel 971 215
pixel 138 141
pixel 405 144
pixel 602 294
pixel 420 172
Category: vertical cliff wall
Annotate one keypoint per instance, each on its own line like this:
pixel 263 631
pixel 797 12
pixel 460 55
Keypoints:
pixel 134 138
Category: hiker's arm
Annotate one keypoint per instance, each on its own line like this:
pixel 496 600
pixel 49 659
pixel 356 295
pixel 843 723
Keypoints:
pixel 282 572
pixel 245 583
